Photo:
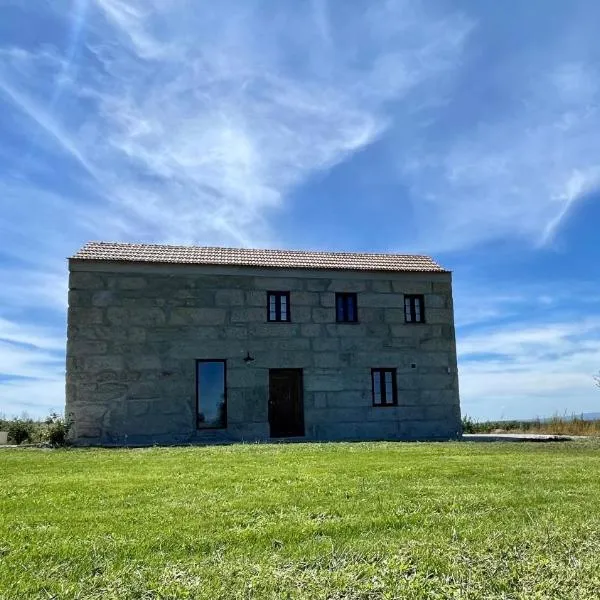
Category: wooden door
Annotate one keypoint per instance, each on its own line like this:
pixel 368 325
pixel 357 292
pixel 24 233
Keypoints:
pixel 286 403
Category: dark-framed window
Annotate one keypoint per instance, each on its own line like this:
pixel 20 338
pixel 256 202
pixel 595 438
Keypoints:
pixel 211 394
pixel 346 309
pixel 414 308
pixel 383 382
pixel 278 306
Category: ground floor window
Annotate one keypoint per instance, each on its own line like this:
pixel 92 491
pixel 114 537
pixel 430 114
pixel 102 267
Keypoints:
pixel 384 387
pixel 211 398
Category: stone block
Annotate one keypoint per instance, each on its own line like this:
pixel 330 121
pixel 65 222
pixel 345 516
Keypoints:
pixel 256 298
pixel 147 317
pixel 346 330
pixel 323 383
pixel 402 286
pixel 102 363
pixel 378 430
pixel 256 405
pixel 278 284
pixel 370 316
pixel 327 300
pixel 131 283
pixel 407 381
pixel 360 344
pixel 280 359
pixel 381 286
pixel 197 316
pixel 436 301
pixel 394 315
pixel 311 330
pixel 371 300
pixel 248 315
pixel 81 280
pixel 442 287
pixel 323 315
pixel 347 285
pixel 317 285
pixel 440 412
pixel 436 345
pixel 381 359
pixel 272 330
pixel 85 316
pixel 235 333
pixel 323 344
pixel 384 413
pixel 438 315
pixel 301 314
pixel 320 399
pixel 80 298
pixel 426 430
pixel 432 397
pixel 249 431
pixel 330 360
pixel 229 298
pixel 332 415
pixel 348 399
pixel 247 376
pixel 432 381
pixel 235 406
pixel 334 431
pixel 274 344
pixel 87 348
pixel 193 297
pixel 141 362
pixel 433 359
pixel 378 330
pixel 407 397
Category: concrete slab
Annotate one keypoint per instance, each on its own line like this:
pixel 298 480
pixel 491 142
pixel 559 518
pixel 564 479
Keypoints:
pixel 518 437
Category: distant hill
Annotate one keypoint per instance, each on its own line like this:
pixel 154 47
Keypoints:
pixel 591 416
pixel 594 416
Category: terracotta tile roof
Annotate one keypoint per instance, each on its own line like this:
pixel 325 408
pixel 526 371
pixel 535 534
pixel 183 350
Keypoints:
pixel 283 259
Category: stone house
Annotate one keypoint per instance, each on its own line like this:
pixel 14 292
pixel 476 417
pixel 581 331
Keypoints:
pixel 189 344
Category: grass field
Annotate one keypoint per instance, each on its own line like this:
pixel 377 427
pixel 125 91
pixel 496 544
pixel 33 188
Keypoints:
pixel 377 520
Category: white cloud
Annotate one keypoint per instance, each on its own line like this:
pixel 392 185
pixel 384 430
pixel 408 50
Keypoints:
pixel 524 371
pixel 191 122
pixel 519 172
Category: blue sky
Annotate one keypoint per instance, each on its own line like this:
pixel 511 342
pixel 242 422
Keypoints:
pixel 466 130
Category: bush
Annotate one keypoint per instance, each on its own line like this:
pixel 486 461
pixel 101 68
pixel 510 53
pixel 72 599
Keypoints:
pixel 468 425
pixel 56 430
pixel 21 430
pixel 53 430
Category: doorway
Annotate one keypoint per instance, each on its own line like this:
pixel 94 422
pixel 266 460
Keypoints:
pixel 286 403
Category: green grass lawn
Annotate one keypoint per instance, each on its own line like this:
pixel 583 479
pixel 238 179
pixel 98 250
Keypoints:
pixel 373 520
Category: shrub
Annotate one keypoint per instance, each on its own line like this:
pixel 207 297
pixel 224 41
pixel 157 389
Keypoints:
pixel 21 430
pixel 56 430
pixel 468 425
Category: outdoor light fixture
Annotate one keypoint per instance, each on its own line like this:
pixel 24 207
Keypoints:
pixel 248 358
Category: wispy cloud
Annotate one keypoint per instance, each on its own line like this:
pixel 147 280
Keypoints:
pixel 523 370
pixel 519 171
pixel 193 123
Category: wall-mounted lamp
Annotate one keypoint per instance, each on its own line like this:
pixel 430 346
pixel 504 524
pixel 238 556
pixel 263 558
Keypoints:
pixel 248 358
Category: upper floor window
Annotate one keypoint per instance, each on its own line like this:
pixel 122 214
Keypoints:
pixel 278 306
pixel 414 308
pixel 385 391
pixel 345 307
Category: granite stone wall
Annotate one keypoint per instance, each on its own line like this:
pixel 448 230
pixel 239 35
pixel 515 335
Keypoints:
pixel 136 331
